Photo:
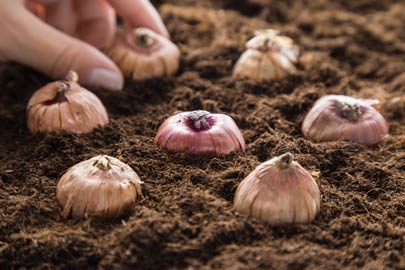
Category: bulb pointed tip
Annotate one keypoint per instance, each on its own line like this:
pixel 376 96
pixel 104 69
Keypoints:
pixel 72 76
pixel 285 160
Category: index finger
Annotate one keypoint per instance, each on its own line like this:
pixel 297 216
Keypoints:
pixel 140 13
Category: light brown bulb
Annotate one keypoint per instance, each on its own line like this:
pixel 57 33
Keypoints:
pixel 268 57
pixel 102 186
pixel 65 106
pixel 338 117
pixel 279 192
pixel 143 54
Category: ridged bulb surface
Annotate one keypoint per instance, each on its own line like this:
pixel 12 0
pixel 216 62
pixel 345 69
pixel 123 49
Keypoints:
pixel 102 186
pixel 279 192
pixel 268 56
pixel 143 54
pixel 200 133
pixel 338 117
pixel 65 106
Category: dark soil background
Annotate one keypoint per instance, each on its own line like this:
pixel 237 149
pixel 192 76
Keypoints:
pixel 185 218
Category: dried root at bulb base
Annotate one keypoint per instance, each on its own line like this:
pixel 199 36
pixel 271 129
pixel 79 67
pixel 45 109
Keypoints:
pixel 143 54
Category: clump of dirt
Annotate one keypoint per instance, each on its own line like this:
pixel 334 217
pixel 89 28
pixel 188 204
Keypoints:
pixel 185 218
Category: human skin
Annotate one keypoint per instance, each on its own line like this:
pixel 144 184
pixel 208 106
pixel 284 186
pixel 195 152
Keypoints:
pixel 56 36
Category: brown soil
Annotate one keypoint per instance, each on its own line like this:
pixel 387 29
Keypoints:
pixel 185 218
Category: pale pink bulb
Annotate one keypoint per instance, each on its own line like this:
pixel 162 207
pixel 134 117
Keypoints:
pixel 200 132
pixel 65 106
pixel 279 192
pixel 143 54
pixel 269 56
pixel 338 117
pixel 102 186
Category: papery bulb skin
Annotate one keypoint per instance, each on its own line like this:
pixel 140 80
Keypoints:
pixel 102 186
pixel 279 192
pixel 142 54
pixel 200 133
pixel 338 117
pixel 269 56
pixel 65 106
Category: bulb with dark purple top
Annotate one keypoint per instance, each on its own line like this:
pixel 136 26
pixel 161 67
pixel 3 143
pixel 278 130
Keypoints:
pixel 200 133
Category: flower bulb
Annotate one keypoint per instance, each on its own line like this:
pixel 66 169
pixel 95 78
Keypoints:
pixel 143 54
pixel 65 106
pixel 338 117
pixel 200 132
pixel 102 186
pixel 269 56
pixel 279 192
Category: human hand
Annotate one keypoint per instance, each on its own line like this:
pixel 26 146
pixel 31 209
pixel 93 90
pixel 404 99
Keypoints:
pixel 69 34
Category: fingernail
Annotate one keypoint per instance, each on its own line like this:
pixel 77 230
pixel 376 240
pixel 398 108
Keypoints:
pixel 104 78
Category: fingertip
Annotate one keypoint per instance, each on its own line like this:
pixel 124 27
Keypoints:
pixel 105 79
pixel 55 53
pixel 95 69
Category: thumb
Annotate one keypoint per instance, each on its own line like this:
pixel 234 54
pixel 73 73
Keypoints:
pixel 34 43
